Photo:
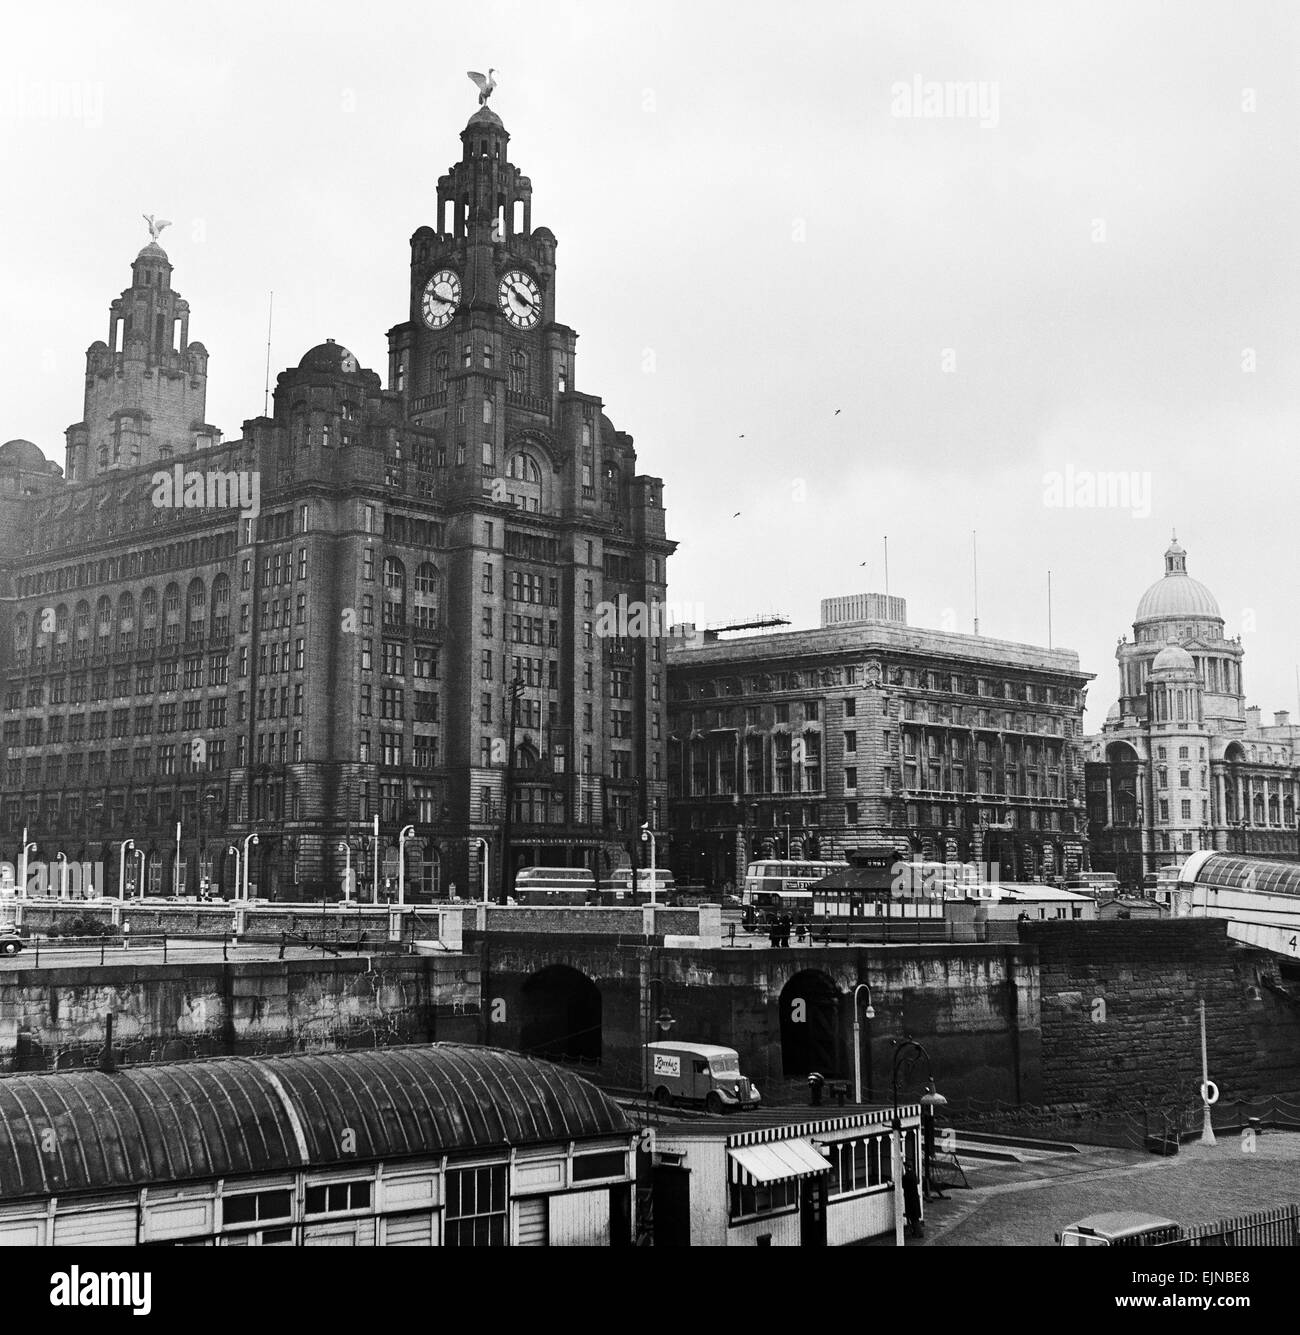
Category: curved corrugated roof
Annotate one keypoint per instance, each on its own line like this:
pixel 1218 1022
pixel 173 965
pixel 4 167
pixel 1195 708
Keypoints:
pixel 1226 871
pixel 75 1131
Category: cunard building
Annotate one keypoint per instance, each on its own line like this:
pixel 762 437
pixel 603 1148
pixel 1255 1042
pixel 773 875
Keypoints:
pixel 868 732
pixel 353 610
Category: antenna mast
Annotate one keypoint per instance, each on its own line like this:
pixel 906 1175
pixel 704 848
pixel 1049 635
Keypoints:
pixel 1049 609
pixel 975 570
pixel 887 573
pixel 266 384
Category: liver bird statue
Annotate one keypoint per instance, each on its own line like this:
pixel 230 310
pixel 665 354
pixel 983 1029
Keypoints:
pixel 155 227
pixel 485 84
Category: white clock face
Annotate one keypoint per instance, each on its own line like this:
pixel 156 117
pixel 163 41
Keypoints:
pixel 441 299
pixel 520 299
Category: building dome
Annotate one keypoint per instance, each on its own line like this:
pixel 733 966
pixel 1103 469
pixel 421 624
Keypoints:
pixel 153 251
pixel 1173 660
pixel 330 358
pixel 1177 594
pixel 21 454
pixel 485 116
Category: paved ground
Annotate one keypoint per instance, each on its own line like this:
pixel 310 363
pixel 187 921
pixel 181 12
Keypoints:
pixel 1026 1204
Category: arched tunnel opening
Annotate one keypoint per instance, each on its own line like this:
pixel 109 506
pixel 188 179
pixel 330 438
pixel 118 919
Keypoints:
pixel 810 1009
pixel 561 1015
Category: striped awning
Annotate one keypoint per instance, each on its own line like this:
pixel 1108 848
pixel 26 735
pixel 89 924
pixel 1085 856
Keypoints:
pixel 776 1161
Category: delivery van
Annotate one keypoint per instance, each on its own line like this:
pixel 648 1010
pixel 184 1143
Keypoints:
pixel 1123 1228
pixel 698 1073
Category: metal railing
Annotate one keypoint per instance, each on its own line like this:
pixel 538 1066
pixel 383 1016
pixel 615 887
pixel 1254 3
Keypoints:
pixel 118 947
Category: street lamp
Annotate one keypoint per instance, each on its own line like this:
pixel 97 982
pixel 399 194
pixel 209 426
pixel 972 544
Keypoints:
pixel 28 847
pixel 346 849
pixel 407 832
pixel 908 1048
pixel 785 816
pixel 857 1038
pixel 664 1021
pixel 121 867
pixel 482 845
pixel 205 814
pixel 648 837
pixel 234 848
pixel 139 860
pixel 248 839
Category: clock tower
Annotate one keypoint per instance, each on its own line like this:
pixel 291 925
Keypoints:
pixel 557 747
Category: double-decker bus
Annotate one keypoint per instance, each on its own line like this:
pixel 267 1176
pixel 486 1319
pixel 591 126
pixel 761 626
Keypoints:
pixel 785 887
pixel 554 885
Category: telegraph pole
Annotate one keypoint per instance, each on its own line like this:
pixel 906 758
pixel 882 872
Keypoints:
pixel 516 690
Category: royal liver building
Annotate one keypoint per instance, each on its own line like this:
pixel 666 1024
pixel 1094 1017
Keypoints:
pixel 350 613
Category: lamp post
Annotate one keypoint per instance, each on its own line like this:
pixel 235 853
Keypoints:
pixel 663 1022
pixel 785 817
pixel 648 837
pixel 63 874
pixel 516 690
pixel 902 1051
pixel 857 1038
pixel 234 848
pixel 1207 1129
pixel 346 849
pixel 121 868
pixel 484 849
pixel 139 872
pixel 28 847
pixel 205 812
pixel 248 839
pixel 407 832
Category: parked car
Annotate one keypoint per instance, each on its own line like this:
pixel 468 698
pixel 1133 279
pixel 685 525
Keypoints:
pixel 1121 1228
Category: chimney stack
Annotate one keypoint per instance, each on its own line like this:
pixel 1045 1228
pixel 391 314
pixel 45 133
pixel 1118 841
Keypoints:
pixel 1281 718
pixel 1253 715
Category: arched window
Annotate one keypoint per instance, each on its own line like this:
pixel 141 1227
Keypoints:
pixel 172 614
pixel 394 593
pixel 440 369
pixel 149 618
pixel 103 624
pixel 196 610
pixel 519 371
pixel 125 623
pixel 525 482
pixel 221 606
pixel 427 593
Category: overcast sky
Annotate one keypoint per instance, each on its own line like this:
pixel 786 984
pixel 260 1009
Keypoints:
pixel 1091 268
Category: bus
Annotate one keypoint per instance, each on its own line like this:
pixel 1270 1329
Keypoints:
pixel 554 885
pixel 1092 882
pixel 777 887
pixel 617 888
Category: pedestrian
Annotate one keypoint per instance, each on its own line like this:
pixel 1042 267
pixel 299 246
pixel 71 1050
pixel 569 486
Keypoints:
pixel 786 924
pixel 126 936
pixel 773 929
pixel 912 1203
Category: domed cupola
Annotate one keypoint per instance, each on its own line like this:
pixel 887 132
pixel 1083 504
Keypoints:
pixel 1173 663
pixel 1177 598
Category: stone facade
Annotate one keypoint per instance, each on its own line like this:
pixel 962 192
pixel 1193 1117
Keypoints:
pixel 1182 763
pixel 875 733
pixel 377 604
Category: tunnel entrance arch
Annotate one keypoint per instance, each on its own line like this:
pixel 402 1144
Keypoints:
pixel 560 1015
pixel 810 1025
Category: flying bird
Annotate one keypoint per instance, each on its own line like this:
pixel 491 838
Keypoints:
pixel 485 85
pixel 742 435
pixel 736 515
pixel 155 227
pixel 837 412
